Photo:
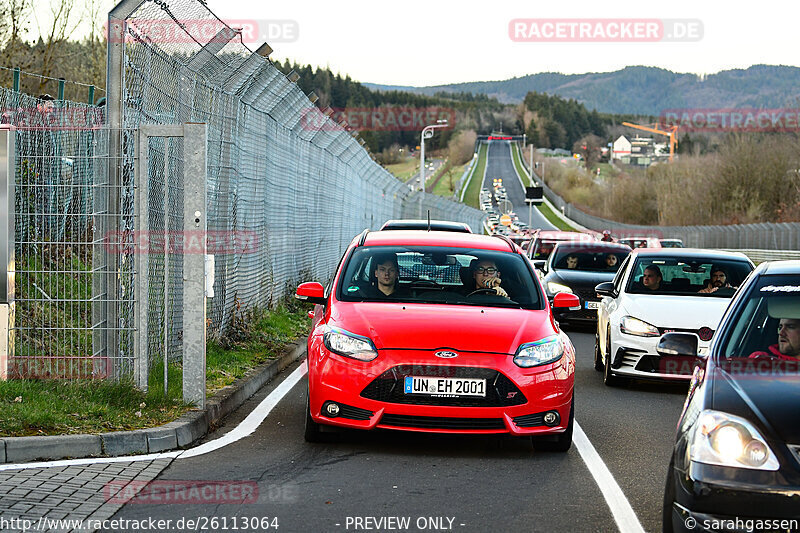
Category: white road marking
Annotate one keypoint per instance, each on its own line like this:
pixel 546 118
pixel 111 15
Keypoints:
pixel 245 428
pixel 621 509
pixel 254 419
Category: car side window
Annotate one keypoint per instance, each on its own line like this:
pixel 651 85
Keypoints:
pixel 621 274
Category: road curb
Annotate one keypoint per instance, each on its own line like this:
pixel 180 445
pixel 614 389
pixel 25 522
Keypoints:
pixel 179 433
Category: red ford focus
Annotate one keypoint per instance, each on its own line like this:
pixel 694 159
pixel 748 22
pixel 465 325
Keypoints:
pixel 439 332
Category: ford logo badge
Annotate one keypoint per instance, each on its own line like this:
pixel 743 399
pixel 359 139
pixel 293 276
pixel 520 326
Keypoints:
pixel 446 354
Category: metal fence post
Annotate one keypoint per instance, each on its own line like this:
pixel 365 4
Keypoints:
pixel 105 257
pixel 142 257
pixel 7 240
pixel 195 224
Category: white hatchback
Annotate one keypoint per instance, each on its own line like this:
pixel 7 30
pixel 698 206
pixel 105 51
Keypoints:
pixel 659 291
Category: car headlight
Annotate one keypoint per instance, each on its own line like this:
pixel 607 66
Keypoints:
pixel 727 440
pixel 541 352
pixel 349 344
pixel 555 288
pixel 640 328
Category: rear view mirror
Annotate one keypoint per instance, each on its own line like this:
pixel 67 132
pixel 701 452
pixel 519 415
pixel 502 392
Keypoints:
pixel 606 289
pixel 566 302
pixel 311 292
pixel 678 344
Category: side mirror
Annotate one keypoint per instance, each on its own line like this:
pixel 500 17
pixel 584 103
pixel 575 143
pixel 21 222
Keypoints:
pixel 565 301
pixel 311 292
pixel 682 344
pixel 539 264
pixel 606 289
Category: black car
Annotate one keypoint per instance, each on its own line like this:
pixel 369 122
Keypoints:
pixel 736 459
pixel 577 267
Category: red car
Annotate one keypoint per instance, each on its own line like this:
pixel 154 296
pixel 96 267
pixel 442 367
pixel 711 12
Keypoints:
pixel 438 332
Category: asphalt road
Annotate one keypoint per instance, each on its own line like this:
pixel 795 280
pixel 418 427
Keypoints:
pixel 500 165
pixel 483 483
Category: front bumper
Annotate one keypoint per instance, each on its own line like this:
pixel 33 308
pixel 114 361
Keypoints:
pixel 515 403
pixel 636 357
pixel 767 501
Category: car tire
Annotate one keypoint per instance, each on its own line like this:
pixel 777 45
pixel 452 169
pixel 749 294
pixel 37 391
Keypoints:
pixel 562 441
pixel 598 360
pixel 313 431
pixel 608 376
pixel 669 499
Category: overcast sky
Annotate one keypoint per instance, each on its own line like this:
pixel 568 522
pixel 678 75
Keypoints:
pixel 432 42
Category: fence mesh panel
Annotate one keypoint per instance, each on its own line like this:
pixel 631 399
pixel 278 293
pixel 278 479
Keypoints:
pixel 60 165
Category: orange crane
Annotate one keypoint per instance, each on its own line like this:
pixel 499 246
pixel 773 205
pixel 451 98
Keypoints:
pixel 672 134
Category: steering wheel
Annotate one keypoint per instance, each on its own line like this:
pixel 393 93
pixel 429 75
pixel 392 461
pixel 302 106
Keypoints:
pixel 483 291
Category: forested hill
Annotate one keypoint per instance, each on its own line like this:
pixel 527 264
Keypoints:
pixel 644 90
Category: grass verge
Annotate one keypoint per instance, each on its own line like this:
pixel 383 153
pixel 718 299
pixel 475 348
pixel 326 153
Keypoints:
pixel 518 165
pixel 447 183
pixel 554 219
pixel 472 196
pixel 403 171
pixel 54 407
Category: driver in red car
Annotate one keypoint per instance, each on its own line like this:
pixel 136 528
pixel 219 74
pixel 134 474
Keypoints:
pixel 788 346
pixel 486 276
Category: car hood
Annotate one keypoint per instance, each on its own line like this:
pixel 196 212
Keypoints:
pixel 432 327
pixel 767 395
pixel 678 312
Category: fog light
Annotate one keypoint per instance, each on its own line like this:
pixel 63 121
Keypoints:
pixel 331 409
pixel 551 418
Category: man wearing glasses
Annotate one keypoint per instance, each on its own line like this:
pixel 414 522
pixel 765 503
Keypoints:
pixel 487 276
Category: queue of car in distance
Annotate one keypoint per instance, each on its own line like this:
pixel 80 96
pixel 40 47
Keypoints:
pixel 660 291
pixel 438 353
pixel 577 267
pixel 736 458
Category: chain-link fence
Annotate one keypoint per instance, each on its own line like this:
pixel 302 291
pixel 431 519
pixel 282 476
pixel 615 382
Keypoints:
pixel 60 161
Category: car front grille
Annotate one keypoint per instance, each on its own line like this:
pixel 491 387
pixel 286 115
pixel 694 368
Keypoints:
pixel 529 421
pixel 436 422
pixel 388 387
pixel 587 293
pixel 702 332
pixel 353 413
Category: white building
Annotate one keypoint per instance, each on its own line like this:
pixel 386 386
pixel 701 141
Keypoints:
pixel 621 148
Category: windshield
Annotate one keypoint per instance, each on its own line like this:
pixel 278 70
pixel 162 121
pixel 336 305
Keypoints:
pixel 591 259
pixel 765 326
pixel 439 275
pixel 688 276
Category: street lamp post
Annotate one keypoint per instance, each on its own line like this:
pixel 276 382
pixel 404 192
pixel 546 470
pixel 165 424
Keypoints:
pixel 427 133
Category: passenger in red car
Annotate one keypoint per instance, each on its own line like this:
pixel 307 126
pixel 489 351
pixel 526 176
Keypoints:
pixel 386 274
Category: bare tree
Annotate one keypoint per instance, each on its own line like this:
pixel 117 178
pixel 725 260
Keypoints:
pixel 65 20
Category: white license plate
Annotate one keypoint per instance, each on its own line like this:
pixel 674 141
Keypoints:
pixel 592 305
pixel 453 387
